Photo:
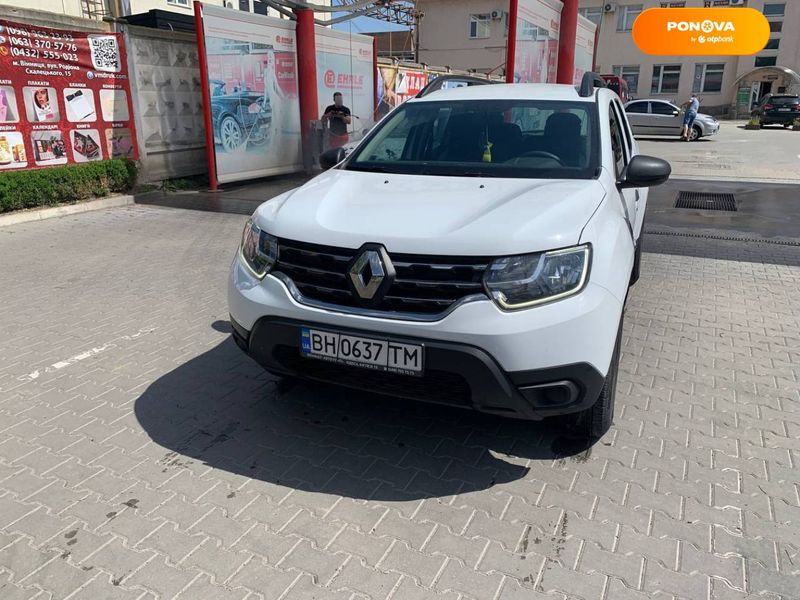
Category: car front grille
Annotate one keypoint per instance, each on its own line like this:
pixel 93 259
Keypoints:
pixel 423 284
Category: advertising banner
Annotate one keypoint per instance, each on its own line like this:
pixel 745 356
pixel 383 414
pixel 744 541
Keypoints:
pixel 536 49
pixel 64 97
pixel 252 78
pixel 345 64
pixel 584 48
pixel 409 83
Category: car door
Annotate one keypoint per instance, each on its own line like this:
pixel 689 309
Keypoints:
pixel 666 118
pixel 621 149
pixel 638 116
pixel 639 195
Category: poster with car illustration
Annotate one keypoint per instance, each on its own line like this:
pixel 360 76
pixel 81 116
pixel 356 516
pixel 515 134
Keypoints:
pixel 252 84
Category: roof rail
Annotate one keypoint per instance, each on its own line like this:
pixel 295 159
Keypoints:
pixel 589 82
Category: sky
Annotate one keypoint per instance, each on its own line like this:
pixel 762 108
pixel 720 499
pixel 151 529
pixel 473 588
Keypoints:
pixel 366 24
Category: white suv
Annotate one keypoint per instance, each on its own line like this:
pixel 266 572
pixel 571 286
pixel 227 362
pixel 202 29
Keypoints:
pixel 474 250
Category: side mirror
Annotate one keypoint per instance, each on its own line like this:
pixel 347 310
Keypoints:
pixel 644 171
pixel 331 158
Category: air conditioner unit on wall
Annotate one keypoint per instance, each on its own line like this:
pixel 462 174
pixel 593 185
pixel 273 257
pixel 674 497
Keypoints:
pixel 497 15
pixel 738 2
pixel 609 7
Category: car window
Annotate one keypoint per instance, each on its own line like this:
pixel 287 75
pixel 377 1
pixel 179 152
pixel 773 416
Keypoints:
pixel 784 100
pixel 636 107
pixel 662 108
pixel 626 132
pixel 492 138
pixel 617 143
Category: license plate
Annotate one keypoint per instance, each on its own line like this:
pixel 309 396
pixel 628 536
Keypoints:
pixel 368 353
pixel 784 109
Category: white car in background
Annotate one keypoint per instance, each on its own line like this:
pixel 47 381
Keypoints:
pixel 456 257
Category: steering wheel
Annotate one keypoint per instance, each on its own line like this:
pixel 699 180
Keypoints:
pixel 543 154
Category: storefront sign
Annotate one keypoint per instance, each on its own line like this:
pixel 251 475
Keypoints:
pixel 252 79
pixel 64 97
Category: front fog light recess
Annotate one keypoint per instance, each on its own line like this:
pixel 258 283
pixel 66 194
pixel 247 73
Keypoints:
pixel 259 249
pixel 530 279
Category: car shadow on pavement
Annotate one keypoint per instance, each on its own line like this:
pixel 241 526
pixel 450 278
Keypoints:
pixel 223 410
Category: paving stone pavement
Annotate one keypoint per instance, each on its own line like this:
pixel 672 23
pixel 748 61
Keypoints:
pixel 142 456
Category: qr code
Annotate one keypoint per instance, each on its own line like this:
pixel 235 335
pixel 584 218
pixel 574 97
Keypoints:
pixel 105 53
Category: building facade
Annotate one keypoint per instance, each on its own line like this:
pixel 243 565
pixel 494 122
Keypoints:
pixel 726 85
pixel 464 34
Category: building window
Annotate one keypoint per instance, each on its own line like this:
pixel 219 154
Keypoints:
pixel 593 13
pixel 626 15
pixel 184 3
pixel 526 30
pixel 708 78
pixel 630 73
pixel 766 61
pixel 774 10
pixel 773 44
pixel 260 8
pixel 479 26
pixel 776 26
pixel 666 79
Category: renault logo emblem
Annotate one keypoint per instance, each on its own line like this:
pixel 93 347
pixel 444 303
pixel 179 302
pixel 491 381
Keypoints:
pixel 370 274
pixel 367 274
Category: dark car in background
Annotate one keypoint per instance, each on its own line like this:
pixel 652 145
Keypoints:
pixel 777 109
pixel 239 117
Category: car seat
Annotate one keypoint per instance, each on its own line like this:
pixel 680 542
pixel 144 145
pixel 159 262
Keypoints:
pixel 562 137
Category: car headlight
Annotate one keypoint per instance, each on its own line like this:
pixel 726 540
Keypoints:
pixel 529 279
pixel 259 249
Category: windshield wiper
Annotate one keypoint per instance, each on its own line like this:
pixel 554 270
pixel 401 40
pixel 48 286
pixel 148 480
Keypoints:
pixel 368 168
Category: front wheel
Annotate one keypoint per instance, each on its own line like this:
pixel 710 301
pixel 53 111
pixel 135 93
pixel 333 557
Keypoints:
pixel 230 132
pixel 594 422
pixel 695 134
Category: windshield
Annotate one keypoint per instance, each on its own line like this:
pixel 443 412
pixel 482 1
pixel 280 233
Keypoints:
pixel 491 138
pixel 784 100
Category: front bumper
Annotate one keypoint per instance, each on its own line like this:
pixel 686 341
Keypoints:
pixel 486 357
pixel 710 128
pixel 455 374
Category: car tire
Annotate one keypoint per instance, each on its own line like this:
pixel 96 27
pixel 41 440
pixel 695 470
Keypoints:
pixel 637 259
pixel 230 133
pixel 594 422
pixel 698 133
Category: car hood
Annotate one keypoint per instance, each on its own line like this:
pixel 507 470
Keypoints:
pixel 704 116
pixel 434 215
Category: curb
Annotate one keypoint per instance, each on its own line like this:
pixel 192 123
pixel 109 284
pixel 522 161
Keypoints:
pixel 25 216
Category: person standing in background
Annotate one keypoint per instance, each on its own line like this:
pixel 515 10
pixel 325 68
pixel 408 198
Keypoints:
pixel 692 106
pixel 337 116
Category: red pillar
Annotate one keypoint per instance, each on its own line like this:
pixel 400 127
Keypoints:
pixel 205 90
pixel 566 42
pixel 511 40
pixel 306 77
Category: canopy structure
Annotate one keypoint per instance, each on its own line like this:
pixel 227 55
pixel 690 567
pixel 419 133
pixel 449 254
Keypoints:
pixel 399 12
